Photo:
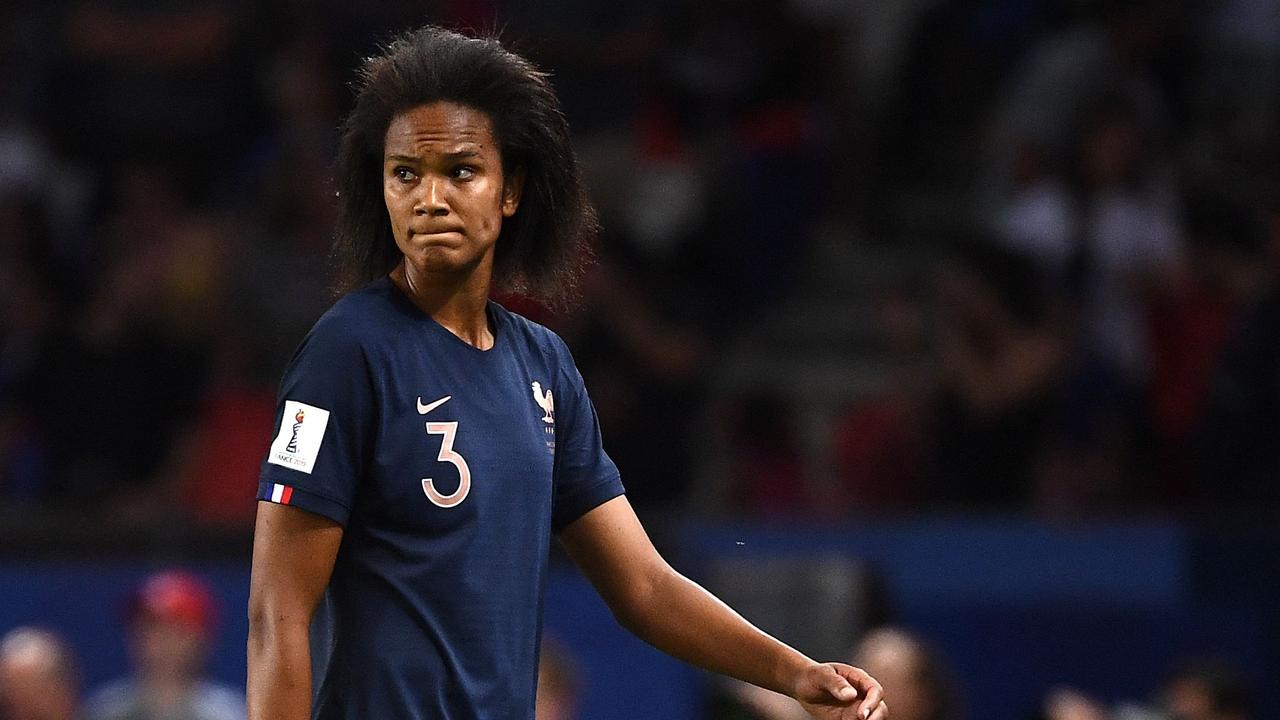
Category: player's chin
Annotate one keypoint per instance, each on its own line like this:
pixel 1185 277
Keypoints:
pixel 432 254
pixel 441 259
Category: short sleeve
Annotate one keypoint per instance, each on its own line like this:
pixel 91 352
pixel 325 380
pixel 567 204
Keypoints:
pixel 585 476
pixel 325 415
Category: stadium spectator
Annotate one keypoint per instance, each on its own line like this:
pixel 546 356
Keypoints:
pixel 1196 339
pixel 1002 351
pixel 1132 248
pixel 1108 232
pixel 921 685
pixel 38 678
pixel 1116 48
pixel 881 441
pixel 171 621
pixel 1069 704
pixel 1206 690
pixel 1108 227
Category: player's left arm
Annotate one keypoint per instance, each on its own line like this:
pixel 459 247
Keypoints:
pixel 679 617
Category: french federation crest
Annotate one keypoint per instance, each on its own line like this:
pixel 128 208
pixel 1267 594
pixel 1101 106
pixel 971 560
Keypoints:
pixel 544 400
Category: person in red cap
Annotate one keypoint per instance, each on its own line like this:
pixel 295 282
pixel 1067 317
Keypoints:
pixel 171 619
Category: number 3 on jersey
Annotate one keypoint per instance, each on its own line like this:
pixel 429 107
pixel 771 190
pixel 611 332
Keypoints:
pixel 448 430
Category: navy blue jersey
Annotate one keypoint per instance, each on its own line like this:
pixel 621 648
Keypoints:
pixel 450 467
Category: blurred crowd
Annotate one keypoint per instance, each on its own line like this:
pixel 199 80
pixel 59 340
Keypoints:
pixel 170 623
pixel 1087 194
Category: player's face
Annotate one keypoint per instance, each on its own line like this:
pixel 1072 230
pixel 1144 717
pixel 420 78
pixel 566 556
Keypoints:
pixel 167 648
pixel 445 192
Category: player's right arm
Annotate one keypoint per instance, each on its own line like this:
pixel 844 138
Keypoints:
pixel 293 555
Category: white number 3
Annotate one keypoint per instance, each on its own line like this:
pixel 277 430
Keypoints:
pixel 448 430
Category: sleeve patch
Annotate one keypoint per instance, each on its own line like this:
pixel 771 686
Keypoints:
pixel 301 431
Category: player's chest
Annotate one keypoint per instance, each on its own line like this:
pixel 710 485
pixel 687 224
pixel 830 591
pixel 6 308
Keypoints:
pixel 473 445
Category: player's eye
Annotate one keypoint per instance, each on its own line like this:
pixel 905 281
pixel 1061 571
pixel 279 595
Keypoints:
pixel 464 172
pixel 403 174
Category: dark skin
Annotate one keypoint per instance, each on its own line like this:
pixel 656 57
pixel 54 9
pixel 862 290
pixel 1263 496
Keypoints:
pixel 446 196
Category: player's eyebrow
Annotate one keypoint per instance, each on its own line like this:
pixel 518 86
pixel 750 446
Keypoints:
pixel 461 154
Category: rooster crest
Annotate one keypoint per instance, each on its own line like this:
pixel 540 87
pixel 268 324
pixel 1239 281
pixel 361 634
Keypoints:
pixel 543 398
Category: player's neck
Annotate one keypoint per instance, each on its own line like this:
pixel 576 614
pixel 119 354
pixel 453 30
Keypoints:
pixel 459 306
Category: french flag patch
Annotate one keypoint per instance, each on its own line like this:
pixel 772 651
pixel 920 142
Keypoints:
pixel 281 494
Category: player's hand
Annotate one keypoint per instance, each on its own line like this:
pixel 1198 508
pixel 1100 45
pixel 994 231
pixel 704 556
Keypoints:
pixel 835 691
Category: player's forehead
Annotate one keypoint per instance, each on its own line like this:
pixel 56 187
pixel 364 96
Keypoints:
pixel 440 128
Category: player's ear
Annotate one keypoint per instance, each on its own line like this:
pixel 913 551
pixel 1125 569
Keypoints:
pixel 512 187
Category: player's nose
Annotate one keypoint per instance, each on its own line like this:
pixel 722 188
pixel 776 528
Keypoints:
pixel 430 200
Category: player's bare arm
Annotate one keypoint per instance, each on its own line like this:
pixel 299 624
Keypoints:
pixel 679 617
pixel 293 556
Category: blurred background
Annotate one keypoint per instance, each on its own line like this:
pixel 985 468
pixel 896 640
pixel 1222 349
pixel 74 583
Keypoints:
pixel 939 334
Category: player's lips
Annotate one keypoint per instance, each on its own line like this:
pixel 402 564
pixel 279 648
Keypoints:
pixel 449 236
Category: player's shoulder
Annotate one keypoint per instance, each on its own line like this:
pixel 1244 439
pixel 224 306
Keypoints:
pixel 364 309
pixel 532 334
pixel 358 319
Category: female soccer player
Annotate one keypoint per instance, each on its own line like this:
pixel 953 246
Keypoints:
pixel 430 442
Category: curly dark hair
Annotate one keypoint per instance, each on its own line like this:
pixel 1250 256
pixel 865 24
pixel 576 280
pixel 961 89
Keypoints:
pixel 541 249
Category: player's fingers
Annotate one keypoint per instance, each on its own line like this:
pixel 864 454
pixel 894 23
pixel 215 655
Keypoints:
pixel 839 687
pixel 867 686
pixel 871 699
pixel 880 713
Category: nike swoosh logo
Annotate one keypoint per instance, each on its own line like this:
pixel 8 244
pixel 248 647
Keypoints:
pixel 424 409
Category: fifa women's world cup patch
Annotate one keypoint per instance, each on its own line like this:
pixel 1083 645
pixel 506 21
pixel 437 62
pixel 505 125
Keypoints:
pixel 301 432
